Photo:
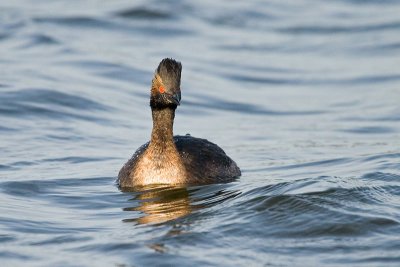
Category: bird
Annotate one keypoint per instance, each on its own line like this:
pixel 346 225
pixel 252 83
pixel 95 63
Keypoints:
pixel 174 160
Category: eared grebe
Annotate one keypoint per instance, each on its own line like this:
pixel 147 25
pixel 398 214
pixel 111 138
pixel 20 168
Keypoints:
pixel 169 159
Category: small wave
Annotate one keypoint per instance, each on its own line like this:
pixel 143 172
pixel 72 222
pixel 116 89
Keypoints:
pixel 59 240
pixel 370 2
pixel 381 157
pixel 80 21
pixel 120 72
pixel 28 188
pixel 161 30
pixel 15 255
pixel 244 19
pixel 143 13
pixel 62 193
pixel 253 109
pixel 381 176
pixel 301 165
pixel 334 29
pixel 6 238
pixel 48 103
pixel 211 195
pixel 371 130
pixel 38 40
pixel 5 167
pixel 7 129
pixel 321 207
pixel 4 36
pixel 385 48
pixel 76 159
pixel 374 79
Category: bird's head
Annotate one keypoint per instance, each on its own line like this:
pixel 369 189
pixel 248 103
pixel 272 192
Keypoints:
pixel 166 84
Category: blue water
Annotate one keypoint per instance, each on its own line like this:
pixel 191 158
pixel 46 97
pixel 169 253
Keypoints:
pixel 303 95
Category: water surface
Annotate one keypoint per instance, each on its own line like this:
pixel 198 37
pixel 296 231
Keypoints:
pixel 303 96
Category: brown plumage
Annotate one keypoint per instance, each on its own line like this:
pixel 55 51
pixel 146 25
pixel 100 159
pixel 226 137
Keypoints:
pixel 169 159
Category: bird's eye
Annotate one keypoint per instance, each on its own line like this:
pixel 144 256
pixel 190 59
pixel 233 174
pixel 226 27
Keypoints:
pixel 161 89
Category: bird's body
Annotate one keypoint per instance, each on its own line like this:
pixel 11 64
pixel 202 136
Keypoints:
pixel 203 162
pixel 174 160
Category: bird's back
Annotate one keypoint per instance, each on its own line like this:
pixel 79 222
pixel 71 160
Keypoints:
pixel 205 162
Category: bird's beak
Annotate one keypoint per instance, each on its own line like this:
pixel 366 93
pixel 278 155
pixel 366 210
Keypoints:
pixel 175 98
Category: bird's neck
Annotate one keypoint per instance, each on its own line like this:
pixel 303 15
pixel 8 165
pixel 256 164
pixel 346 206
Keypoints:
pixel 163 123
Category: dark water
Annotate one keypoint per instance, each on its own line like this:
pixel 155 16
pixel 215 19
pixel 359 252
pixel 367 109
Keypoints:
pixel 303 95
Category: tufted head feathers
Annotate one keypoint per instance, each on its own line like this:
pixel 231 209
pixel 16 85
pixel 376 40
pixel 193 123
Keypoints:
pixel 165 89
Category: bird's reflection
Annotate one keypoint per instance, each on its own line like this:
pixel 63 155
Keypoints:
pixel 160 204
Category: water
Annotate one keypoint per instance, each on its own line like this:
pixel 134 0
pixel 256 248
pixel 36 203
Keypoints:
pixel 303 95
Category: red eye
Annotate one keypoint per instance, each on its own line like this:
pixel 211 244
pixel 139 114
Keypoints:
pixel 161 89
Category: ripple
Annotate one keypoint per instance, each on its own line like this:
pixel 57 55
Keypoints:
pixel 6 238
pixel 14 255
pixel 43 227
pixel 381 157
pixel 22 188
pixel 161 30
pixel 386 48
pixel 370 2
pixel 4 36
pixel 47 103
pixel 380 176
pixel 78 21
pixel 320 163
pixel 40 188
pixel 371 130
pixel 331 212
pixel 307 93
pixel 5 167
pixel 103 69
pixel 334 29
pixel 371 79
pixel 209 196
pixel 7 129
pixel 107 247
pixel 77 159
pixel 144 13
pixel 59 240
pixel 244 19
pixel 39 40
pixel 253 109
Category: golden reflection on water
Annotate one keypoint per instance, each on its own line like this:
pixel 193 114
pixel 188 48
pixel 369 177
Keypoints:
pixel 160 204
